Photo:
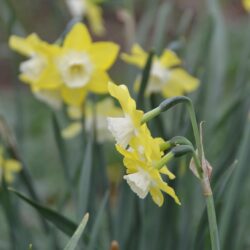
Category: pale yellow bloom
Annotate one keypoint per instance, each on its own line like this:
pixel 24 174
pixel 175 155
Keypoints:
pixel 140 160
pixel 166 76
pixel 90 10
pixel 68 72
pixel 126 127
pixel 8 167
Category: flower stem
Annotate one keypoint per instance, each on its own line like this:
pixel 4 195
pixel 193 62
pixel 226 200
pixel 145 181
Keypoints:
pixel 212 223
pixel 205 183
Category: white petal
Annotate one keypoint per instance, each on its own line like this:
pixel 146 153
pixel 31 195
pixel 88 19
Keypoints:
pixel 77 8
pixel 139 182
pixel 122 129
pixel 33 67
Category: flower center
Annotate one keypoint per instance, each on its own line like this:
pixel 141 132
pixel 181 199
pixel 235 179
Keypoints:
pixel 33 67
pixel 75 68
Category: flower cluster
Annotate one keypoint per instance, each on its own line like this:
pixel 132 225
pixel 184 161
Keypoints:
pixel 67 72
pixel 140 150
pixel 166 77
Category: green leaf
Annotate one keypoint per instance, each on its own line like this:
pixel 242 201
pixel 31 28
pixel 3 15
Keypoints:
pixel 61 222
pixel 144 81
pixel 72 244
pixel 85 176
pixel 98 221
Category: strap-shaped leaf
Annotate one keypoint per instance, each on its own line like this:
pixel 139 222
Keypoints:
pixel 72 244
pixel 61 222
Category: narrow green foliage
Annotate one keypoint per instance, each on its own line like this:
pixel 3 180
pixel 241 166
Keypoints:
pixel 72 244
pixel 144 81
pixel 61 222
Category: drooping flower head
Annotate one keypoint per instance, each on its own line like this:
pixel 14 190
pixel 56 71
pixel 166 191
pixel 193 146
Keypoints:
pixel 166 77
pixel 8 167
pixel 90 10
pixel 125 127
pixel 140 160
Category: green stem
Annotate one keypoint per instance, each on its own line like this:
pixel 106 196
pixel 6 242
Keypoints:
pixel 165 105
pixel 212 223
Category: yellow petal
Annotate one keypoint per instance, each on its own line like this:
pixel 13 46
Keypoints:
pixel 166 171
pixel 78 38
pixel 75 96
pixel 246 5
pixel 49 79
pixel 94 16
pixel 74 112
pixel 169 59
pixel 72 130
pixel 121 93
pixel 170 191
pixel 179 83
pixel 99 82
pixel 11 167
pixel 23 45
pixel 103 54
pixel 138 56
pixel 157 195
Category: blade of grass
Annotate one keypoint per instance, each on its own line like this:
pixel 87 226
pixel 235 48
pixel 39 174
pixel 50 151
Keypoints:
pixel 72 244
pixel 61 222
pixel 144 81
pixel 97 225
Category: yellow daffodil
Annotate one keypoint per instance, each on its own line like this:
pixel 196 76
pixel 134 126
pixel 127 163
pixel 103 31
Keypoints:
pixel 90 10
pixel 126 127
pixel 246 5
pixel 8 167
pixel 166 77
pixel 70 70
pixel 82 65
pixel 94 115
pixel 140 160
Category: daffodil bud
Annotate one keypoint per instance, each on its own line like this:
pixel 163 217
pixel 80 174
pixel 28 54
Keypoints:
pixel 182 150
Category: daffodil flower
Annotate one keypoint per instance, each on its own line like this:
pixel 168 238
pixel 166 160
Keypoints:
pixel 39 64
pixel 82 65
pixel 140 160
pixel 90 10
pixel 72 70
pixel 126 127
pixel 166 77
pixel 246 5
pixel 8 167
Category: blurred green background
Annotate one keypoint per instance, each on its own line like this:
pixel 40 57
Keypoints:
pixel 213 39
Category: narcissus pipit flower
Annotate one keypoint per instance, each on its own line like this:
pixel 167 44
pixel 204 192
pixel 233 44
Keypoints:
pixel 246 5
pixel 140 160
pixel 124 128
pixel 72 70
pixel 8 167
pixel 90 10
pixel 166 77
pixel 40 63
